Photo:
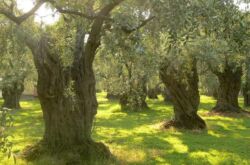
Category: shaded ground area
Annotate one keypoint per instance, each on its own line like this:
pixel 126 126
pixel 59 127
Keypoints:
pixel 135 138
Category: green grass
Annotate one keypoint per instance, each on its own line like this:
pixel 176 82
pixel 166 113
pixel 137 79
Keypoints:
pixel 134 138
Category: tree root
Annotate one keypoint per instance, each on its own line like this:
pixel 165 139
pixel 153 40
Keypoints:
pixel 77 154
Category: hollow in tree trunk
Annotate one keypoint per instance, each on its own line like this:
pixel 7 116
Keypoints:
pixel 185 97
pixel 12 94
pixel 228 91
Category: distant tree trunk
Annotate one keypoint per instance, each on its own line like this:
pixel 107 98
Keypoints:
pixel 215 93
pixel 112 96
pixel 167 95
pixel 229 88
pixel 153 93
pixel 135 99
pixel 185 97
pixel 246 87
pixel 246 94
pixel 12 94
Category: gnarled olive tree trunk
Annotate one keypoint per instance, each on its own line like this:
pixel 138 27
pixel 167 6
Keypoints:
pixel 68 100
pixel 229 88
pixel 183 87
pixel 12 93
pixel 67 94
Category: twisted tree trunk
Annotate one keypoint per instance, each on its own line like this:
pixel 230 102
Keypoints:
pixel 67 94
pixel 185 97
pixel 12 93
pixel 68 100
pixel 228 91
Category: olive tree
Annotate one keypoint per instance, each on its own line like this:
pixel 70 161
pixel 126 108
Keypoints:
pixel 63 55
pixel 224 48
pixel 15 66
pixel 177 28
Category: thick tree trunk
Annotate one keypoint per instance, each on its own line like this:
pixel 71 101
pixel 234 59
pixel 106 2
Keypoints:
pixel 68 100
pixel 67 94
pixel 228 91
pixel 185 97
pixel 12 94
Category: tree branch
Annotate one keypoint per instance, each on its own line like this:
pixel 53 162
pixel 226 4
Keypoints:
pixel 143 23
pixel 71 11
pixel 95 33
pixel 19 19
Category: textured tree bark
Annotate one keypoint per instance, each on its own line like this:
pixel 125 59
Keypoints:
pixel 67 94
pixel 228 91
pixel 185 97
pixel 68 99
pixel 12 94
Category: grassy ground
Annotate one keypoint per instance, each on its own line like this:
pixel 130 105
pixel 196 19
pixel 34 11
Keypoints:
pixel 134 138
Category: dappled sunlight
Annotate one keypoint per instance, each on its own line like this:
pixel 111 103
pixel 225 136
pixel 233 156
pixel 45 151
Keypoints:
pixel 177 145
pixel 215 134
pixel 134 156
pixel 135 138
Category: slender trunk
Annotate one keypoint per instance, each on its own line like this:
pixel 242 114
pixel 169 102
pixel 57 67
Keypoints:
pixel 185 97
pixel 12 94
pixel 228 91
pixel 246 87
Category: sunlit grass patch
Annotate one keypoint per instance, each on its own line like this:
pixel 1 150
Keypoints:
pixel 135 138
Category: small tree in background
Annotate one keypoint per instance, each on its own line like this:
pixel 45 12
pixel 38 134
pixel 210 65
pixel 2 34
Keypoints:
pixel 15 66
pixel 224 48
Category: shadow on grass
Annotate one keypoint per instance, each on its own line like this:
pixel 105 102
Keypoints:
pixel 135 139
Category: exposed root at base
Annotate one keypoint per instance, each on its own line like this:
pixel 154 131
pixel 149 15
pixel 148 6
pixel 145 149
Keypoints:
pixel 173 124
pixel 78 154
